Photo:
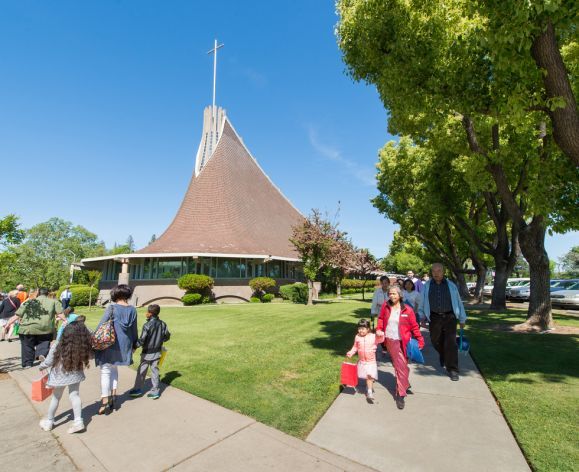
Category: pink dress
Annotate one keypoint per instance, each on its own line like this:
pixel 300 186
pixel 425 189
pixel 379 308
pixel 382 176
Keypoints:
pixel 365 346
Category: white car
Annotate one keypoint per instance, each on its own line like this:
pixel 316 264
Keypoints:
pixel 567 298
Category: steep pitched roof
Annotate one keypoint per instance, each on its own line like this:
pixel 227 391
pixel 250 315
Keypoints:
pixel 231 207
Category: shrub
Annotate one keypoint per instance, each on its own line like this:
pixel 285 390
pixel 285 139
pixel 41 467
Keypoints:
pixel 286 291
pixel 261 285
pixel 206 300
pixel 297 293
pixel 355 283
pixel 254 300
pixel 267 298
pixel 81 294
pixel 191 299
pixel 196 283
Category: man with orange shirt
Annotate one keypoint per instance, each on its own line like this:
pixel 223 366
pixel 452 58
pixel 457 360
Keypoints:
pixel 22 295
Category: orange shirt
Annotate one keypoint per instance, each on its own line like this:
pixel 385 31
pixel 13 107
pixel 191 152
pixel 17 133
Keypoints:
pixel 22 296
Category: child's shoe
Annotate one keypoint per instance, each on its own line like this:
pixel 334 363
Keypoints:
pixel 154 396
pixel 77 427
pixel 135 392
pixel 370 395
pixel 46 424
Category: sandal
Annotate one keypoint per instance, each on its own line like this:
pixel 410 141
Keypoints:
pixel 105 408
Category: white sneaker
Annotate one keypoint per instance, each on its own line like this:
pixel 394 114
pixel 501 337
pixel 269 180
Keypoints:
pixel 76 428
pixel 45 424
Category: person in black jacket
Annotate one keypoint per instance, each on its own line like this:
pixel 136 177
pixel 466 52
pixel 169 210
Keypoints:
pixel 8 308
pixel 154 334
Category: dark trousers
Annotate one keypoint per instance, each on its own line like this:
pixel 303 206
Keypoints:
pixel 65 303
pixel 443 336
pixel 34 345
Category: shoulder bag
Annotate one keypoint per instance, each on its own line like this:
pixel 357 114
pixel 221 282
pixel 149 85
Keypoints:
pixel 105 336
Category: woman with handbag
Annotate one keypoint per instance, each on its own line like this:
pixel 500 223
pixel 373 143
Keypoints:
pixel 121 319
pixel 397 323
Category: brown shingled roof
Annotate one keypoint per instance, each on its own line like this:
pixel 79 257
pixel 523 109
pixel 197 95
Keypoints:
pixel 231 207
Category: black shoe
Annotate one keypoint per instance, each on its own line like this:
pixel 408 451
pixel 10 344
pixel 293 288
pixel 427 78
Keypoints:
pixel 400 402
pixel 441 360
pixel 408 391
pixel 453 374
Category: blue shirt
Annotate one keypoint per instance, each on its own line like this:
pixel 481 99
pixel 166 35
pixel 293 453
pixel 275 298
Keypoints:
pixel 125 323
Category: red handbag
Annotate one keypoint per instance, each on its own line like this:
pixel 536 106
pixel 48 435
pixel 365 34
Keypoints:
pixel 349 374
pixel 40 391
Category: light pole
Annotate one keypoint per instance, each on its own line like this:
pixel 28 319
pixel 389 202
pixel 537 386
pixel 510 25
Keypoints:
pixel 71 265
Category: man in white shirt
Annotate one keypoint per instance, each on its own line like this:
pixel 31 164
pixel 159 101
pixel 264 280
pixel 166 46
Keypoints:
pixel 65 297
pixel 379 297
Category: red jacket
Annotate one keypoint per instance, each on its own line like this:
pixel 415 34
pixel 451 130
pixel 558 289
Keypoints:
pixel 407 326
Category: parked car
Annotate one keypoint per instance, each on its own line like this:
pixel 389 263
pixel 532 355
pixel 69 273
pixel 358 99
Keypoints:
pixel 566 298
pixel 562 284
pixel 488 290
pixel 521 293
pixel 517 284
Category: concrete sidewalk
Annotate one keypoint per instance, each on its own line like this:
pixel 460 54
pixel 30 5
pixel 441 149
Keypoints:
pixel 179 431
pixel 445 426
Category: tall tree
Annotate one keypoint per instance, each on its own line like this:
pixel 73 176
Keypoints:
pixel 44 256
pixel 570 262
pixel 435 66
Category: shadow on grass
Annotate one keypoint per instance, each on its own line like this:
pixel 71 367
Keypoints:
pixel 169 377
pixel 502 355
pixel 340 337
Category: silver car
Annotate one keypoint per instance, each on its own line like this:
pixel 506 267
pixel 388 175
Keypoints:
pixel 567 298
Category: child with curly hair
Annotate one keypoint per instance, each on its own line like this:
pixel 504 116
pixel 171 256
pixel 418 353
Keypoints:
pixel 67 358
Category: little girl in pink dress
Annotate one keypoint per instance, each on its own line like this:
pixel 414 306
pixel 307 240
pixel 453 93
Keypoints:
pixel 365 345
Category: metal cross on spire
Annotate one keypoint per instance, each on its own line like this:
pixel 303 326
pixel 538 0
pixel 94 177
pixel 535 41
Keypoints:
pixel 214 51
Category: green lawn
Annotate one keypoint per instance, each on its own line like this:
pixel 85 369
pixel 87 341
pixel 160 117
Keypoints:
pixel 535 377
pixel 279 363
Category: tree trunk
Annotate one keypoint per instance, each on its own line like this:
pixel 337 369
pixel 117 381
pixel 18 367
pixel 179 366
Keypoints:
pixel 339 289
pixel 363 288
pixel 460 282
pixel 481 273
pixel 532 242
pixel 565 120
pixel 310 292
pixel 499 295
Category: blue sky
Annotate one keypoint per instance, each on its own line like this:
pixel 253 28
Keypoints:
pixel 101 105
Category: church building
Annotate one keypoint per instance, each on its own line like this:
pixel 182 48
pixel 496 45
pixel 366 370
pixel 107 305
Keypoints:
pixel 233 224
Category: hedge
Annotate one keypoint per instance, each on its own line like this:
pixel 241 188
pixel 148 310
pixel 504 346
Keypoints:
pixel 81 294
pixel 191 299
pixel 254 300
pixel 356 283
pixel 297 293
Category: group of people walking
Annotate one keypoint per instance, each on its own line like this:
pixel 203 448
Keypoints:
pixel 401 308
pixel 66 357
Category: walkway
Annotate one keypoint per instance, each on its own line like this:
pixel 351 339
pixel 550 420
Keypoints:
pixel 178 432
pixel 445 426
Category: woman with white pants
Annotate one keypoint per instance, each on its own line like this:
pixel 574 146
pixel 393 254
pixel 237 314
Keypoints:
pixel 121 352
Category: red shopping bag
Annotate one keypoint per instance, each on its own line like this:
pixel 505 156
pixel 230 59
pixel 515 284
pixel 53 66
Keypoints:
pixel 349 374
pixel 40 391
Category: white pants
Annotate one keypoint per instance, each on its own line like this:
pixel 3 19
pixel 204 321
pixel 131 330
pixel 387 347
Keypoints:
pixel 109 379
pixel 73 396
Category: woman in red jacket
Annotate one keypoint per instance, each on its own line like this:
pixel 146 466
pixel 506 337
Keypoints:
pixel 398 323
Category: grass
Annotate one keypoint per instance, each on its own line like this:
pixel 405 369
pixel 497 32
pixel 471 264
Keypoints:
pixel 535 378
pixel 279 363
